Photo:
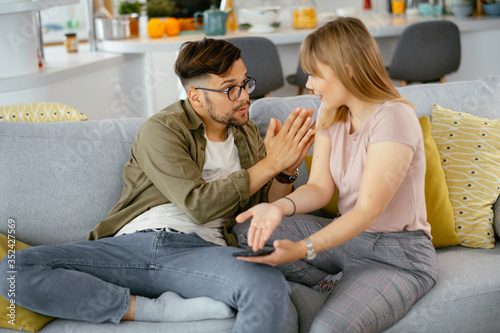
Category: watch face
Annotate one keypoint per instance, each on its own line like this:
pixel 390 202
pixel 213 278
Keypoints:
pixel 311 254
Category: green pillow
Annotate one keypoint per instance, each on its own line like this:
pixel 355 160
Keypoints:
pixel 14 316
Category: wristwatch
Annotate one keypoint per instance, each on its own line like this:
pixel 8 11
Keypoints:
pixel 286 179
pixel 311 254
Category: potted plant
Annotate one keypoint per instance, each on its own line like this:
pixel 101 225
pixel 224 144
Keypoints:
pixel 131 9
pixel 128 7
pixel 160 8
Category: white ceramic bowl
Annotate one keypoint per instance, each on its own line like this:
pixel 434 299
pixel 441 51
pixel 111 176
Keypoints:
pixel 260 18
pixel 461 11
pixel 492 9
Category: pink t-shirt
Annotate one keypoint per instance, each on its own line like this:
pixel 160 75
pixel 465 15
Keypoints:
pixel 391 121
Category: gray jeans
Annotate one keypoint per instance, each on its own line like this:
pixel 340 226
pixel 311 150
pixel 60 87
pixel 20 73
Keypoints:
pixel 93 280
pixel 383 274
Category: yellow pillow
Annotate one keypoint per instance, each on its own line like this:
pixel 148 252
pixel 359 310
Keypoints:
pixel 470 156
pixel 331 209
pixel 15 316
pixel 437 200
pixel 40 113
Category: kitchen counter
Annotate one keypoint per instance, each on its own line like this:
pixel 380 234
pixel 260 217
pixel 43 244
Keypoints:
pixel 380 25
pixel 101 85
pixel 61 65
pixel 135 77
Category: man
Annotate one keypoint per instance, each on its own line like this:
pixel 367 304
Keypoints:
pixel 194 166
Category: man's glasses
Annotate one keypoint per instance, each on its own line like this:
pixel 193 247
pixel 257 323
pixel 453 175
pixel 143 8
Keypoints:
pixel 234 92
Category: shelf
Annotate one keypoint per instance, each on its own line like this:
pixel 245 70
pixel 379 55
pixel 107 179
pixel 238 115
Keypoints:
pixel 26 6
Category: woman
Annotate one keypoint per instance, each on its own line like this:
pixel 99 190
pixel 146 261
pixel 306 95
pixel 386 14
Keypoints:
pixel 370 146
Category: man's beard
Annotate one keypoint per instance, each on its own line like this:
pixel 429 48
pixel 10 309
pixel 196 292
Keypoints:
pixel 228 118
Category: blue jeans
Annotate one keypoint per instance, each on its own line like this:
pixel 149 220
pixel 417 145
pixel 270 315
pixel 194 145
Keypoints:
pixel 93 280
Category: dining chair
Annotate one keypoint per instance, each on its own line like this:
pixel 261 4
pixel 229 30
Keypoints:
pixel 298 79
pixel 263 63
pixel 426 52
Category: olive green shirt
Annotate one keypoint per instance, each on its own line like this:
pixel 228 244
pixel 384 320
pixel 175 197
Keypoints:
pixel 166 165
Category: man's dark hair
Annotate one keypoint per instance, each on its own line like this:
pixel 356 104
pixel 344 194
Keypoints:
pixel 199 58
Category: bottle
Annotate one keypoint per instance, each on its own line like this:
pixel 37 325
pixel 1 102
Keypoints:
pixel 225 6
pixel 71 42
pixel 368 5
pixel 304 14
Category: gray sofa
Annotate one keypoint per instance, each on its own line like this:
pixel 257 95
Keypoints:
pixel 60 179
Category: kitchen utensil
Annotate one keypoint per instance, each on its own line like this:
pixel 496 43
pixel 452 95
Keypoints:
pixel 214 21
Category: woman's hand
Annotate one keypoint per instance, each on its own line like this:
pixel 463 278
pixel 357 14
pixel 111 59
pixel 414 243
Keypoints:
pixel 265 219
pixel 287 144
pixel 285 251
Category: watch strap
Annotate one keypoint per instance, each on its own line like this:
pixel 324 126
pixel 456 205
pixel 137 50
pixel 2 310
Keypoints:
pixel 286 179
pixel 311 253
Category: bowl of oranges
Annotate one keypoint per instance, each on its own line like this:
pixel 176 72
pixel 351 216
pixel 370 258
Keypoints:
pixel 158 28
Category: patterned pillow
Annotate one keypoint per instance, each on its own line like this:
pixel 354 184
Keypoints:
pixel 40 113
pixel 469 147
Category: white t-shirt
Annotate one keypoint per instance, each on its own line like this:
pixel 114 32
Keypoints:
pixel 221 159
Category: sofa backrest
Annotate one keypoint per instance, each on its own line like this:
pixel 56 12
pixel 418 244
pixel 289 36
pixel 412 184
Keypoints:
pixel 59 180
pixel 479 97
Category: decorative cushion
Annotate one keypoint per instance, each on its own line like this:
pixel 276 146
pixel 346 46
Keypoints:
pixel 12 315
pixel 331 209
pixel 469 147
pixel 496 221
pixel 40 113
pixel 437 201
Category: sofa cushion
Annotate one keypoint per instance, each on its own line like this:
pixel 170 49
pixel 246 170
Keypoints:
pixel 23 319
pixel 496 222
pixel 40 113
pixel 331 209
pixel 62 178
pixel 437 200
pixel 465 297
pixel 478 97
pixel 470 155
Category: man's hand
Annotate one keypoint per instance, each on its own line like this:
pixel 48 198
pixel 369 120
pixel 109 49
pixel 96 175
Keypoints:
pixel 288 144
pixel 265 219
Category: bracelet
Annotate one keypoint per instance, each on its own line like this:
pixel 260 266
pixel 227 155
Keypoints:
pixel 294 207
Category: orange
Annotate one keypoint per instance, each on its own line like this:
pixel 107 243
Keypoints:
pixel 155 28
pixel 172 26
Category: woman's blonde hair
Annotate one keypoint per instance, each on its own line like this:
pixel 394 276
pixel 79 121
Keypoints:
pixel 349 49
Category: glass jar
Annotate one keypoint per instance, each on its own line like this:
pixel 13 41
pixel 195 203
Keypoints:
pixel 71 42
pixel 304 14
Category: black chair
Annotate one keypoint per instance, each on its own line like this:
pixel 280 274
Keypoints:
pixel 298 79
pixel 263 63
pixel 426 52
